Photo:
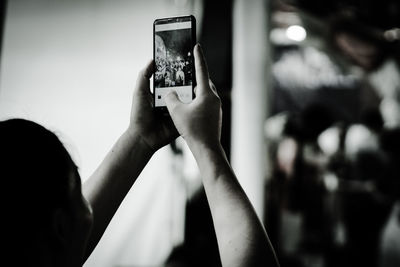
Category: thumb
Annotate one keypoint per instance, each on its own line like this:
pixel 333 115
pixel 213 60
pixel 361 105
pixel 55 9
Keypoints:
pixel 172 101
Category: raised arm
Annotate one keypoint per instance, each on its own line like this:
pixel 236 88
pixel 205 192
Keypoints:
pixel 242 239
pixel 112 180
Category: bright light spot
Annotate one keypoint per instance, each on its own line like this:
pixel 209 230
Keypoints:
pixel 286 155
pixel 329 141
pixel 392 35
pixel 359 137
pixel 274 126
pixel 331 182
pixel 296 33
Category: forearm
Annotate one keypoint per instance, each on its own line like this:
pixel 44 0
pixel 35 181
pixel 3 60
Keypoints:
pixel 112 180
pixel 241 237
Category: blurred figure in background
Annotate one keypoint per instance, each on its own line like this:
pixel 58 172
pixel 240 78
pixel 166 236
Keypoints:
pixel 332 188
pixel 355 161
pixel 295 205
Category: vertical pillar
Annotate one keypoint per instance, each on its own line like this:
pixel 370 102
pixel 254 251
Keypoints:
pixel 250 97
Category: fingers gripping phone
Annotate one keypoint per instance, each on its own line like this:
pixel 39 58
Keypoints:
pixel 173 42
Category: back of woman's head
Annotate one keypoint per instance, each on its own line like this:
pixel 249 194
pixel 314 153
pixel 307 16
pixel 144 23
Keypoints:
pixel 35 171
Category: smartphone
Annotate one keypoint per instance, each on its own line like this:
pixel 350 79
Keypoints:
pixel 173 39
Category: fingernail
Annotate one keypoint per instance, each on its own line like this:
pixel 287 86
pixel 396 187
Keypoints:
pixel 170 92
pixel 198 46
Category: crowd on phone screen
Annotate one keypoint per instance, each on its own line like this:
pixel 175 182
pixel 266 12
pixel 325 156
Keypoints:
pixel 171 72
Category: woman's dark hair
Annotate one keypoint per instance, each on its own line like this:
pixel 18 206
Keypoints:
pixel 35 171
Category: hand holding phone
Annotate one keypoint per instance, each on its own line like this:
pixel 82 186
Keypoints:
pixel 174 39
pixel 198 122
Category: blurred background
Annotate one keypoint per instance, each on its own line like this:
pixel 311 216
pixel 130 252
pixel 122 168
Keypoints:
pixel 311 102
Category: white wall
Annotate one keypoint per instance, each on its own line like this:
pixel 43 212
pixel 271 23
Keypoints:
pixel 71 66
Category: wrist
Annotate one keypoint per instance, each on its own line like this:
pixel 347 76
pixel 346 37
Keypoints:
pixel 211 159
pixel 204 146
pixel 206 150
pixel 135 140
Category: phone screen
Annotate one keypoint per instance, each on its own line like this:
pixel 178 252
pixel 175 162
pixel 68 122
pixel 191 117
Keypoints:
pixel 174 39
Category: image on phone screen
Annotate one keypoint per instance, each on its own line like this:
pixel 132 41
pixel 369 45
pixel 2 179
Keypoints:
pixel 173 48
